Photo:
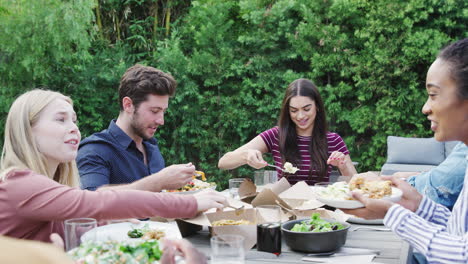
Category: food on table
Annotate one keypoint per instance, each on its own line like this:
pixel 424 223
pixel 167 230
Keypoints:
pixel 289 168
pixel 374 189
pixel 194 185
pixel 146 233
pixel 113 252
pixel 316 224
pixel 225 222
pixel 336 191
pixel 199 174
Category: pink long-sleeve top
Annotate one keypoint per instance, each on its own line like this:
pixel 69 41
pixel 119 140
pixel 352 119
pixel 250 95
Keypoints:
pixel 32 206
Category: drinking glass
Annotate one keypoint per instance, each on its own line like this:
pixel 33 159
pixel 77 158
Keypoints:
pixel 75 228
pixel 272 176
pixel 265 177
pixel 234 187
pixel 259 177
pixel 227 249
pixel 269 228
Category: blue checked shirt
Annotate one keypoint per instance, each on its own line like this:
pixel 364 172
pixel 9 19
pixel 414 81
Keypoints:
pixel 111 157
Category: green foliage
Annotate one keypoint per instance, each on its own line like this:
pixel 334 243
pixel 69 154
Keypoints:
pixel 233 60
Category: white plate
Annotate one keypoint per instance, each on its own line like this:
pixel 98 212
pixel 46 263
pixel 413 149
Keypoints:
pixel 118 232
pixel 353 204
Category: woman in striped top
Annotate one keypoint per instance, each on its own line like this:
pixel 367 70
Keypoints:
pixel 301 138
pixel 431 229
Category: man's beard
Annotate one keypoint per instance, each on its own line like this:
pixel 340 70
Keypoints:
pixel 137 128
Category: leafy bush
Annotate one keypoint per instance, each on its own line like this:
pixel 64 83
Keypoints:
pixel 233 60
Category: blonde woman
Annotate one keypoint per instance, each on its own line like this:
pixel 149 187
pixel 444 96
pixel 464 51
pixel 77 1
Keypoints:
pixel 39 179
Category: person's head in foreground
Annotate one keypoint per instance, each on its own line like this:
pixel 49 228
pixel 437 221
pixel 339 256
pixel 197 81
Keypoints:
pixel 41 134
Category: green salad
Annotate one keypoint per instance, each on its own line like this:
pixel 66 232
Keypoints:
pixel 316 224
pixel 113 252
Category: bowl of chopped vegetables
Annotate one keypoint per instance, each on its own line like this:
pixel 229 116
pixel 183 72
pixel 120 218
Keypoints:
pixel 315 235
pixel 135 252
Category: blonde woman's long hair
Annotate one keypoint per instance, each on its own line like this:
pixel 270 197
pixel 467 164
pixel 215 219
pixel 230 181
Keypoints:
pixel 20 150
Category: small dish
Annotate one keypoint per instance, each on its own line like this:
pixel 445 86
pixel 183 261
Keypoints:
pixel 353 204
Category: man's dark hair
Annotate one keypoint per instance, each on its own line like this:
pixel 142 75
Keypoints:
pixel 139 81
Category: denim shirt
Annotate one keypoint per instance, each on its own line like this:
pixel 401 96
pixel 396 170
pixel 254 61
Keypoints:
pixel 444 183
pixel 111 157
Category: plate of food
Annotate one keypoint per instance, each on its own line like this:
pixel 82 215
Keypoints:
pixel 147 251
pixel 338 194
pixel 145 230
pixel 194 186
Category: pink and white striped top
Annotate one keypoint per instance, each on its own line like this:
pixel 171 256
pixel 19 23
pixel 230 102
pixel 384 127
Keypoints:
pixel 271 139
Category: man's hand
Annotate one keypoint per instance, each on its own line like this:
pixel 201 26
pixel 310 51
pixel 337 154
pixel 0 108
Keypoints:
pixel 175 176
pixel 169 178
pixel 208 199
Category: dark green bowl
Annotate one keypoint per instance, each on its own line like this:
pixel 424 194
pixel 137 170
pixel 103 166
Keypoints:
pixel 314 242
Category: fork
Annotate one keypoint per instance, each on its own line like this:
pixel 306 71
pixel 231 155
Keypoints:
pixel 274 166
pixel 238 210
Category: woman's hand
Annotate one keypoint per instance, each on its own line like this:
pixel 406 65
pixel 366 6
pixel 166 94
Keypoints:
pixel 373 208
pixel 208 199
pixel 411 198
pixel 377 208
pixel 254 159
pixel 57 240
pixel 336 159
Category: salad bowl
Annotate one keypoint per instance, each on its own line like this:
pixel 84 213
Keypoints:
pixel 314 242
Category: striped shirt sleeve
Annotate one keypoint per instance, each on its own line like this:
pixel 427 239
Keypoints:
pixel 270 136
pixel 336 143
pixel 429 238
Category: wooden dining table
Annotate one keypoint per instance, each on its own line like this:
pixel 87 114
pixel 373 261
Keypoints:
pixel 391 248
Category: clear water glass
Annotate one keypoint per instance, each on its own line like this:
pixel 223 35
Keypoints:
pixel 234 185
pixel 264 177
pixel 75 228
pixel 227 249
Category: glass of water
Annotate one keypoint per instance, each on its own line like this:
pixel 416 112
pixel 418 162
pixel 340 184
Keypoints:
pixel 227 249
pixel 77 227
pixel 234 187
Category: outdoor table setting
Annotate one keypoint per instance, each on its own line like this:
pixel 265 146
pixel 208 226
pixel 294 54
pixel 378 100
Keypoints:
pixel 365 241
pixel 386 246
pixel 268 221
